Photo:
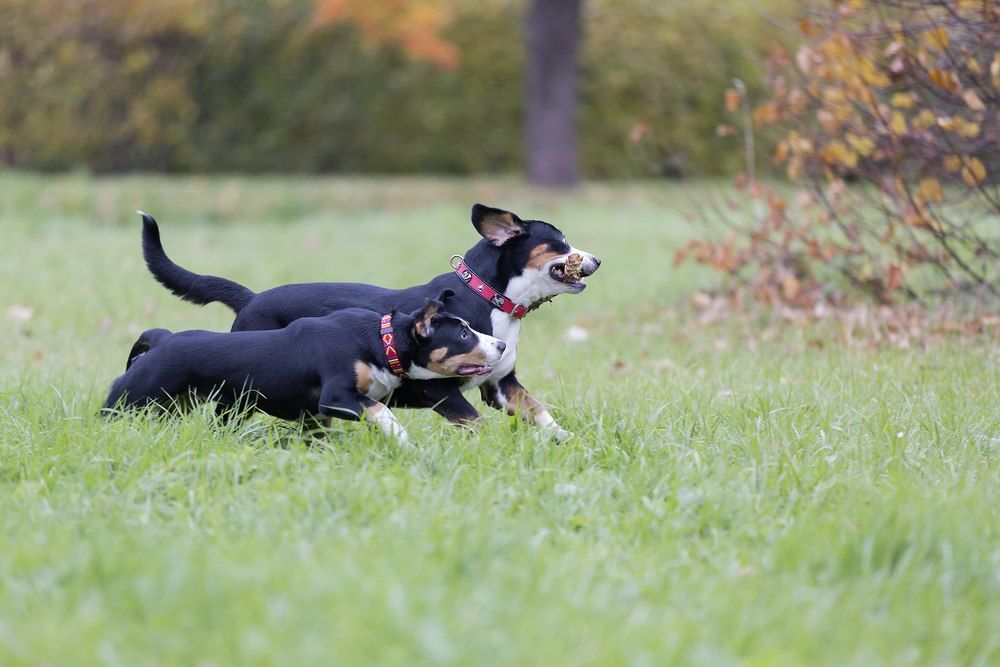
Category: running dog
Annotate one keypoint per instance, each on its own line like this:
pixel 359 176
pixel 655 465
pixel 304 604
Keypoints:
pixel 340 365
pixel 517 265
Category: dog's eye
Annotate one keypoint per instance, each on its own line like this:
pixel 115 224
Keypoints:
pixel 465 333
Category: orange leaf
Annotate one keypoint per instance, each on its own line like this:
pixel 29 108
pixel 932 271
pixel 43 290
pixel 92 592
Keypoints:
pixel 863 145
pixel 732 99
pixel 810 29
pixel 973 172
pixel 765 114
pixel 924 119
pixel 837 152
pixel 930 189
pixel 415 27
pixel 828 121
pixel 944 79
pixel 683 252
pixel 937 38
pixel 902 100
pixel 870 73
pixel 781 152
pixel 898 123
pixel 790 288
pixel 966 129
pixel 893 278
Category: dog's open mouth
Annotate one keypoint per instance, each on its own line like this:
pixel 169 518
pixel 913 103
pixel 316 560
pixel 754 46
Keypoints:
pixel 568 276
pixel 475 370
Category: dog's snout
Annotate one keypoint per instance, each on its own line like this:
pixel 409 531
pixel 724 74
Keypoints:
pixel 501 346
pixel 590 265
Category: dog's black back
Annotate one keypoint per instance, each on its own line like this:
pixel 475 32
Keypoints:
pixel 277 368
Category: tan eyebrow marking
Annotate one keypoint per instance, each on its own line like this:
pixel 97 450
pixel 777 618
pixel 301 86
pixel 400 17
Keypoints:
pixel 540 256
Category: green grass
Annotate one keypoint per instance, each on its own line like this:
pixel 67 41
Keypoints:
pixel 721 503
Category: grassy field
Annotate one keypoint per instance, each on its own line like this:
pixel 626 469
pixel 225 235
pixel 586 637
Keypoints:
pixel 724 501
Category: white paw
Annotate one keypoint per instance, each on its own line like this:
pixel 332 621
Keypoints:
pixel 560 435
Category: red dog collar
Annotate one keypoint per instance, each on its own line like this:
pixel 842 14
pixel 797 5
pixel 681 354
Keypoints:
pixel 479 286
pixel 389 343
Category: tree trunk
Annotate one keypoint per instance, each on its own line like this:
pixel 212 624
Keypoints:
pixel 553 32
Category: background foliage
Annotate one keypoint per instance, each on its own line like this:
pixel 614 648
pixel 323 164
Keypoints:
pixel 283 85
pixel 889 114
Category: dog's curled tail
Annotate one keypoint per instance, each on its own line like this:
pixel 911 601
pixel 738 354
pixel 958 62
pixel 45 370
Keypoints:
pixel 187 285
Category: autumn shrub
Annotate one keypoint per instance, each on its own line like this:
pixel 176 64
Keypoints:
pixel 356 86
pixel 888 120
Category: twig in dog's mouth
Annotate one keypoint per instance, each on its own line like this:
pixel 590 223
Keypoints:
pixel 574 265
pixel 569 272
pixel 475 370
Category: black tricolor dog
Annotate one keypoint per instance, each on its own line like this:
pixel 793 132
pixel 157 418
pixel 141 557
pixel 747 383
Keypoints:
pixel 340 365
pixel 520 262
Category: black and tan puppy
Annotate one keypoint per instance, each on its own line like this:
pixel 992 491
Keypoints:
pixel 516 265
pixel 341 365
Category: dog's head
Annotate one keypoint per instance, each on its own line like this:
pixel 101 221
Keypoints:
pixel 446 346
pixel 536 260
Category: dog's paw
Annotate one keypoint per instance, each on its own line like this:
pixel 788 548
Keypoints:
pixel 549 433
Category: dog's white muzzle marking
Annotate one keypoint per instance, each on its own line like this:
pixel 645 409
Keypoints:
pixel 490 347
pixel 590 262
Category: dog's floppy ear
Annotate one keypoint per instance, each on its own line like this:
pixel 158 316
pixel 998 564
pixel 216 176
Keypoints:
pixel 140 348
pixel 423 319
pixel 495 224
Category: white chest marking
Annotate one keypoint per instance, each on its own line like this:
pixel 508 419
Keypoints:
pixel 383 382
pixel 532 285
pixel 507 329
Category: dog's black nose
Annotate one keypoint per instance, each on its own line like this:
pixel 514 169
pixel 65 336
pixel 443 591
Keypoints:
pixel 597 261
pixel 501 346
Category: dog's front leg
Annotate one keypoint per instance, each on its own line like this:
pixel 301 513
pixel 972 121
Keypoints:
pixel 508 394
pixel 354 406
pixel 454 407
pixel 377 413
pixel 443 396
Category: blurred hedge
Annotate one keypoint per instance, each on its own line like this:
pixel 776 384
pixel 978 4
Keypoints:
pixel 253 85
